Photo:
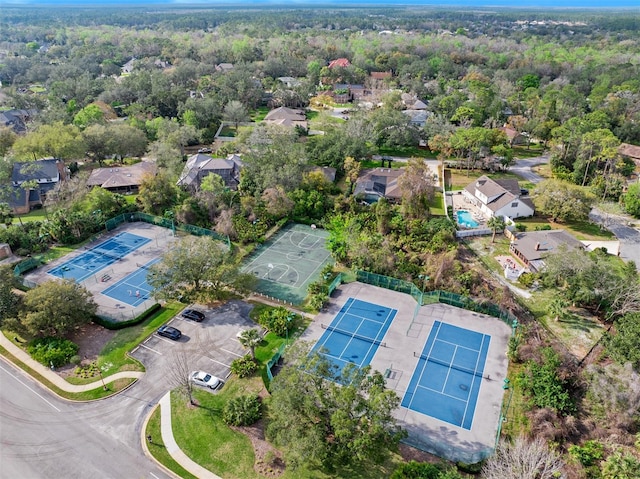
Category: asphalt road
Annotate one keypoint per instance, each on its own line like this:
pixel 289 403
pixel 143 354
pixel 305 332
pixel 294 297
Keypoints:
pixel 523 167
pixel 629 237
pixel 42 436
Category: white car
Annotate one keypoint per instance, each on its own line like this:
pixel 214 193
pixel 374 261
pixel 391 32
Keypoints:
pixel 205 379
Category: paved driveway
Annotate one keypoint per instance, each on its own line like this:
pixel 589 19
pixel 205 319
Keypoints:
pixel 210 345
pixel 523 167
pixel 629 237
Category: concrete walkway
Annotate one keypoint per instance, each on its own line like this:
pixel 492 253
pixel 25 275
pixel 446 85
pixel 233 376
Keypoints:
pixel 54 378
pixel 172 446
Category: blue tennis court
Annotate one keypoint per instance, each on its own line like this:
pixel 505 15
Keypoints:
pixel 99 257
pixel 355 333
pixel 133 289
pixel 446 381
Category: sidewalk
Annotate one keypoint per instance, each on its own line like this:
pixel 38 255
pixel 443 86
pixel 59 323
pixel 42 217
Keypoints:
pixel 172 447
pixel 55 379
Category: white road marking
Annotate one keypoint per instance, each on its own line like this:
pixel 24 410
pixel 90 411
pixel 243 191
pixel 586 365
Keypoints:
pixel 223 364
pixel 26 386
pixel 231 352
pixel 153 475
pixel 165 340
pixel 151 349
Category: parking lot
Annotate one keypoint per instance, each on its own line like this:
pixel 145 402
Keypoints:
pixel 210 345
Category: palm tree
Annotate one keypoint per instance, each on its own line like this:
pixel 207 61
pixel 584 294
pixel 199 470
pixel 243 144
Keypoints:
pixel 249 339
pixel 558 308
pixel 496 223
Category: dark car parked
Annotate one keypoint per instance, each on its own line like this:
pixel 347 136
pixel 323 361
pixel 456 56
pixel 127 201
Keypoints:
pixel 169 332
pixel 193 315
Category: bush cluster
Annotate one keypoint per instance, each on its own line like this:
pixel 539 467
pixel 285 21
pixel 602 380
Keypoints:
pixel 244 367
pixel 278 320
pixel 242 410
pixel 52 351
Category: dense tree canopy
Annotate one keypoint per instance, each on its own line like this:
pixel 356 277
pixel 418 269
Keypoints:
pixel 329 418
pixel 56 308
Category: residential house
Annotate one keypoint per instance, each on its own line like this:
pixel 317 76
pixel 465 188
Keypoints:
pixel 498 198
pixel 339 63
pixel 514 136
pixel 200 165
pixel 532 247
pixel 16 119
pixel 418 118
pixel 411 102
pixel 122 179
pixel 630 151
pixel 289 82
pixel 128 67
pixel 289 117
pixel 161 64
pixel 328 171
pixel 45 174
pixel 224 67
pixel 379 183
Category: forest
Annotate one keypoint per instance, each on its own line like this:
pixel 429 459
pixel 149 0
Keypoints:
pixel 109 87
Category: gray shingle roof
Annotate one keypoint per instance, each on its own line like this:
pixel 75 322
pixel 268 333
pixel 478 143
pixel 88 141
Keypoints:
pixel 34 170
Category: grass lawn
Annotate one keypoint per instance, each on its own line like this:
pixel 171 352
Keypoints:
pixel 406 152
pixel 582 230
pixel 33 215
pixel 436 206
pixel 229 131
pixel 97 393
pixel 461 178
pixel 258 114
pixel 206 439
pixel 159 451
pixel 131 199
pixel 514 406
pixel 531 152
pixel 365 164
pixel 543 170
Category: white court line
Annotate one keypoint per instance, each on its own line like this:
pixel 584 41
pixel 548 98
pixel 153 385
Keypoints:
pixel 231 352
pixel 151 349
pixel 223 364
pixel 26 386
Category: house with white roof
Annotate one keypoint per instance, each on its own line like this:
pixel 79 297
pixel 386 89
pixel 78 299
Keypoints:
pixel 499 198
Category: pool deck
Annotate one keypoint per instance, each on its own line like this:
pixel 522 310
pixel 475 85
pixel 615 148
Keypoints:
pixel 397 362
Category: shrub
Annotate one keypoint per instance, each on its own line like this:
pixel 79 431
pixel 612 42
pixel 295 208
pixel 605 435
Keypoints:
pixel 318 301
pixel 52 351
pixel 521 227
pixel 527 279
pixel 242 410
pixel 587 454
pixel 542 382
pixel 277 320
pixel 244 367
pixel 424 470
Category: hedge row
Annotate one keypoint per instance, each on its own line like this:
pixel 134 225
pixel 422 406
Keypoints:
pixel 114 325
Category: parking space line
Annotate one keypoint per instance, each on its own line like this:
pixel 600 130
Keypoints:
pixel 231 352
pixel 223 364
pixel 151 349
pixel 165 340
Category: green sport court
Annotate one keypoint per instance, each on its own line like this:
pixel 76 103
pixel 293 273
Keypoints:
pixel 286 264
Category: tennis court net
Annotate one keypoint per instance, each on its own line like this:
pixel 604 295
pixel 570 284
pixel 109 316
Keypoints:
pixel 353 335
pixel 448 365
pixel 106 255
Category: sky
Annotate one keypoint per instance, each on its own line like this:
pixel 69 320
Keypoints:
pixel 543 4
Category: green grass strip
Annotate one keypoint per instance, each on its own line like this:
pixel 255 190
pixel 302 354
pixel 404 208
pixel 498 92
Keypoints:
pixel 159 451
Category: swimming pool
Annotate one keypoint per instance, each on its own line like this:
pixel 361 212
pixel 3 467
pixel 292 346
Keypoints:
pixel 465 219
